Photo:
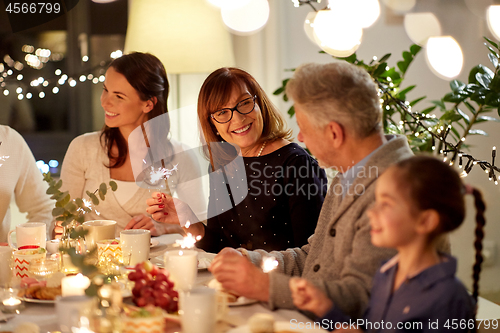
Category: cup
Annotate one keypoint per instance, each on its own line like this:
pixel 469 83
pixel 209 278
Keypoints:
pixel 135 245
pixel 98 230
pixel 22 260
pixel 198 310
pixel 69 309
pixel 183 267
pixel 30 233
pixel 5 265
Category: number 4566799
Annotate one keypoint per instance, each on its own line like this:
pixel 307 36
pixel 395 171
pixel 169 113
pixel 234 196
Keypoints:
pixel 33 8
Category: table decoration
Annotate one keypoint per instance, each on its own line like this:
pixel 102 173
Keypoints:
pixel 22 259
pixel 74 285
pixel 183 267
pixel 10 303
pixel 43 269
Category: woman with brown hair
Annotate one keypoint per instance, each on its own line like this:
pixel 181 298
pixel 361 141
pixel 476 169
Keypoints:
pixel 285 186
pixel 135 91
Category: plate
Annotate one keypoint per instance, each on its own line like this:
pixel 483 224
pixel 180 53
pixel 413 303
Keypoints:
pixel 154 242
pixel 242 300
pixel 40 301
pixel 279 326
pixel 205 259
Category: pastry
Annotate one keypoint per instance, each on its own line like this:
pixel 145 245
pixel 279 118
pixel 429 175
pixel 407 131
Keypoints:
pixel 261 323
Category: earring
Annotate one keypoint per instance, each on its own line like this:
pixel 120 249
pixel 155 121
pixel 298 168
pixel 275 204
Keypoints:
pixel 218 133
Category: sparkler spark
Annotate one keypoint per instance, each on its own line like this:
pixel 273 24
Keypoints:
pixel 269 263
pixel 188 241
pixel 158 174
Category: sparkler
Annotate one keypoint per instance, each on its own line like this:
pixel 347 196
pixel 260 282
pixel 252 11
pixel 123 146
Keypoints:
pixel 188 241
pixel 269 263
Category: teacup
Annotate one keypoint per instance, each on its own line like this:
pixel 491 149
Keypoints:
pixel 98 230
pixel 27 234
pixel 22 260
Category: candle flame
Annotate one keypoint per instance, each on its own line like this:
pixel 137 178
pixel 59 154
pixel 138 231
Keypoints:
pixel 269 263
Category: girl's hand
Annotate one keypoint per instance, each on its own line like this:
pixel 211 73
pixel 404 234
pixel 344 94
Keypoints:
pixel 308 297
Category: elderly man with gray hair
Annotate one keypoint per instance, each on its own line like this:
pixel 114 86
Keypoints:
pixel 339 115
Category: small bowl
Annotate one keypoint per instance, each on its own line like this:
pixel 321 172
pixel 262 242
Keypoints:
pixel 43 269
pixel 53 246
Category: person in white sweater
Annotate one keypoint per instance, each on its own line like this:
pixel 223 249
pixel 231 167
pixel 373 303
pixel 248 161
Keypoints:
pixel 135 91
pixel 21 179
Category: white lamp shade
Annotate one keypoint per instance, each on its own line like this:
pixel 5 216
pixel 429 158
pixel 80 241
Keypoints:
pixel 187 36
pixel 246 19
pixel 228 3
pixel 444 57
pixel 421 26
pixel 493 18
pixel 366 11
pixel 308 26
pixel 336 33
pixel 400 6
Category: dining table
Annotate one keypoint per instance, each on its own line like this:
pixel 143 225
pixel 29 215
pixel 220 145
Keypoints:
pixel 234 320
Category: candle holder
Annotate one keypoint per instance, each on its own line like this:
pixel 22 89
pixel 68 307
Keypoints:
pixel 43 269
pixel 9 302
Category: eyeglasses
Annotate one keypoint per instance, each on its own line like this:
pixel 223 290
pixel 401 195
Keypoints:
pixel 225 115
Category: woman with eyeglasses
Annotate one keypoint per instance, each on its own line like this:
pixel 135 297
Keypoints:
pixel 284 185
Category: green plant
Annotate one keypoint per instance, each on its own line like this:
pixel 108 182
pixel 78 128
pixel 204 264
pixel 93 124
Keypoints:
pixel 67 210
pixel 423 129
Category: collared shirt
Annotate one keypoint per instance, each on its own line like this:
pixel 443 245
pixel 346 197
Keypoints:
pixel 348 177
pixel 433 300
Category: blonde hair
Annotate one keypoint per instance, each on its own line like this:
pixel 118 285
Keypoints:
pixel 216 92
pixel 339 92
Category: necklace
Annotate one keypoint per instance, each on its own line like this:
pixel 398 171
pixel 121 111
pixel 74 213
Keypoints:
pixel 261 148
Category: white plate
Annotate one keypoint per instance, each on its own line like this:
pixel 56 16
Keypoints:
pixel 279 326
pixel 205 263
pixel 242 301
pixel 158 261
pixel 40 301
pixel 154 242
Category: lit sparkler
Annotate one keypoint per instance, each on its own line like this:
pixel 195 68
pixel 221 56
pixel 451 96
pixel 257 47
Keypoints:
pixel 269 263
pixel 188 241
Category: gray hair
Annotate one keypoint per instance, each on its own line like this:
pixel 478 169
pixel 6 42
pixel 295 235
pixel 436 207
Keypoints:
pixel 340 92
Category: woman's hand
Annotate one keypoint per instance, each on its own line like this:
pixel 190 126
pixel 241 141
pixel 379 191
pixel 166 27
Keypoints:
pixel 165 209
pixel 307 297
pixel 142 222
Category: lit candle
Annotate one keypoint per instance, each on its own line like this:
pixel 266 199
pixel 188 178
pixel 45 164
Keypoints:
pixel 269 263
pixel 11 305
pixel 74 285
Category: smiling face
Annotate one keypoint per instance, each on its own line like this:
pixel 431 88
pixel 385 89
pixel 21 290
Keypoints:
pixel 242 130
pixel 122 105
pixel 393 220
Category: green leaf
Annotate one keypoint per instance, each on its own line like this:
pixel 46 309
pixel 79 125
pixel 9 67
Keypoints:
pixel 279 91
pixel 479 69
pixel 452 97
pixel 403 66
pixel 406 90
pixel 464 116
pixel 103 188
pixel 493 59
pixel 428 110
pixel 415 101
pixel 498 111
pixel 71 207
pixel 439 104
pixel 486 118
pixel 483 79
pixel 491 42
pixel 291 111
pixel 414 49
pixel 384 58
pixel 79 202
pixel 101 195
pixel 379 70
pixel 492 99
pixel 477 132
pixel 51 190
pixel 495 84
pixel 470 107
pixel 93 197
pixel 350 59
pixel 57 211
pixel 456 85
pixel 113 185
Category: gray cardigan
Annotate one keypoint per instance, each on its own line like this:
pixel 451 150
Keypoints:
pixel 339 257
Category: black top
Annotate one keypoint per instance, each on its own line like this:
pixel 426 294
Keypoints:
pixel 286 189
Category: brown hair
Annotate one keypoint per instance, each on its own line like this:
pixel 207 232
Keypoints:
pixel 147 76
pixel 433 184
pixel 216 92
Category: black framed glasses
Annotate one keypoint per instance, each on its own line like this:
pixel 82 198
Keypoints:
pixel 225 115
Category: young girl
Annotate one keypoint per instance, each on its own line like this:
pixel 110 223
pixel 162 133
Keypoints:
pixel 417 201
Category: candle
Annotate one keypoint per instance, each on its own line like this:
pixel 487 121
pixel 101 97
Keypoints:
pixel 74 285
pixel 11 305
pixel 183 267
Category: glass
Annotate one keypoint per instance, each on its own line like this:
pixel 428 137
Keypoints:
pixel 225 115
pixel 43 269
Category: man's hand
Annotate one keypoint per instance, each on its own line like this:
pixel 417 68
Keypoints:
pixel 142 222
pixel 308 297
pixel 239 276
